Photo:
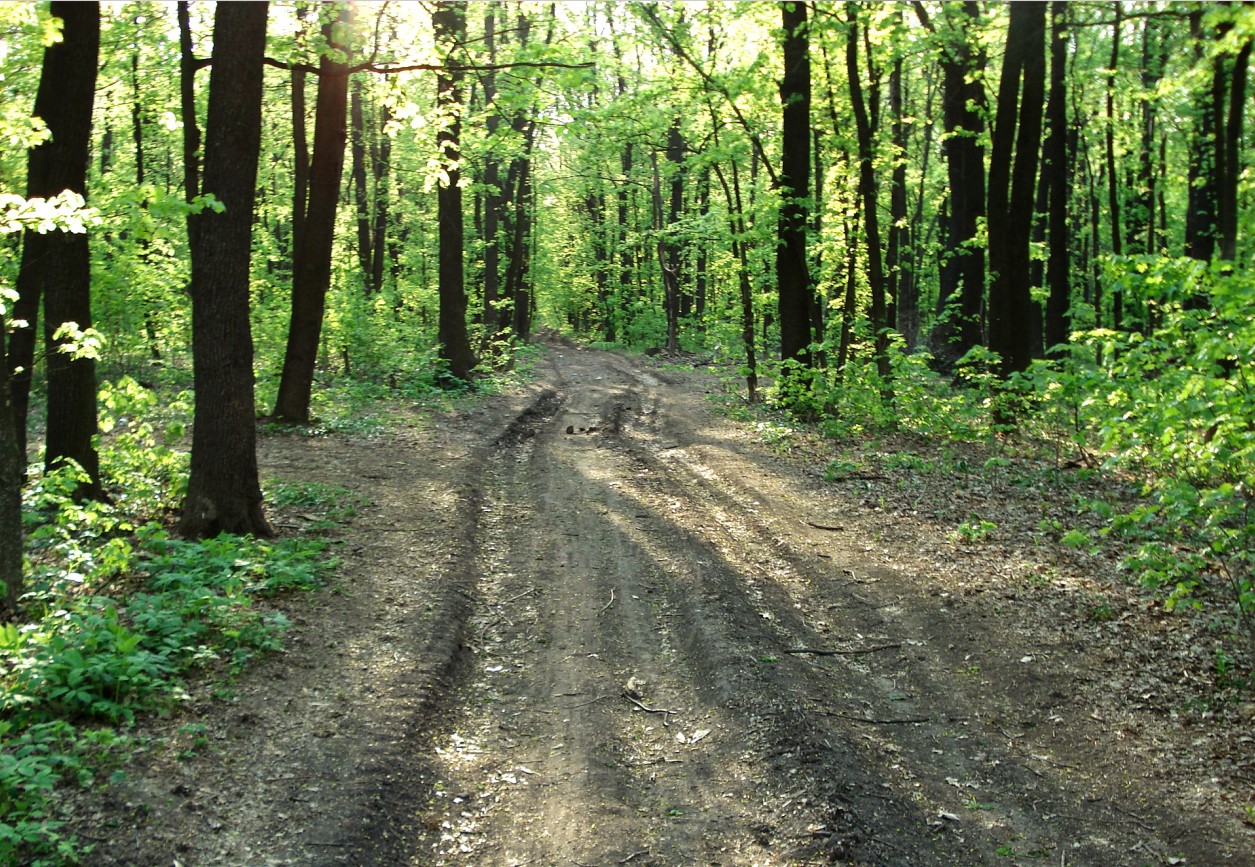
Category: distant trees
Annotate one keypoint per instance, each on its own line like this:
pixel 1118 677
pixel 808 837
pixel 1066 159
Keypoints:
pixel 971 179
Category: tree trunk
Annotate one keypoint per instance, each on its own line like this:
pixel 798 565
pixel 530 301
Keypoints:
pixel 361 191
pixel 56 266
pixel 1113 174
pixel 188 64
pixel 1058 173
pixel 449 23
pixel 223 492
pixel 1141 229
pixel 1012 174
pixel 962 276
pixel 868 194
pixel 493 201
pixel 669 250
pixel 311 276
pixel 12 472
pixel 300 164
pixel 1227 194
pixel 792 270
pixel 1200 216
pixel 383 181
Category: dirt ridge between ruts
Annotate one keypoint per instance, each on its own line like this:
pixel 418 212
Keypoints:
pixel 383 831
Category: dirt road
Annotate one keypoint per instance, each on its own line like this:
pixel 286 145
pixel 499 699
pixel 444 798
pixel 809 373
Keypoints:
pixel 597 623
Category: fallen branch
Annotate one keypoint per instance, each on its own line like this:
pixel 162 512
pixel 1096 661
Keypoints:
pixel 830 528
pixel 824 651
pixel 606 607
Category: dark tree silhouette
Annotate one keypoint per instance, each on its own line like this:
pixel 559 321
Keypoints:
pixel 223 493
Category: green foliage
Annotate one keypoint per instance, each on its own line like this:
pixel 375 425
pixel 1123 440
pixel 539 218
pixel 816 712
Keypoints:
pixel 119 612
pixel 975 529
pixel 1174 408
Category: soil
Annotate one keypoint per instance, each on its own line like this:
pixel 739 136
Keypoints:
pixel 597 621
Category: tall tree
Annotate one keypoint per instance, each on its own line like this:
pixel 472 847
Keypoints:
pixel 361 190
pixel 1200 215
pixel 1012 174
pixel 56 267
pixel 868 194
pixel 223 492
pixel 311 277
pixel 449 22
pixel 962 280
pixel 1113 172
pixel 1057 175
pixel 792 268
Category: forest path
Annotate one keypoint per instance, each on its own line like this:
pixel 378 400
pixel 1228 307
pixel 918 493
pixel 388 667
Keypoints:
pixel 566 634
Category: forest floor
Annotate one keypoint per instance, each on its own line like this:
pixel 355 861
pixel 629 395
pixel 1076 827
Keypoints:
pixel 568 627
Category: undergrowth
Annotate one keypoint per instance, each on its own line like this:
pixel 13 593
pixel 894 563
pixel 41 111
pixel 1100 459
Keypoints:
pixel 119 613
pixel 1167 410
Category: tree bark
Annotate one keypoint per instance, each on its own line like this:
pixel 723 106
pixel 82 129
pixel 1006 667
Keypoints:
pixel 1200 216
pixel 1012 174
pixel 1227 197
pixel 493 201
pixel 1058 174
pixel 12 473
pixel 449 23
pixel 56 266
pixel 669 250
pixel 188 65
pixel 1113 174
pixel 962 277
pixel 868 194
pixel 223 493
pixel 311 276
pixel 792 269
pixel 361 190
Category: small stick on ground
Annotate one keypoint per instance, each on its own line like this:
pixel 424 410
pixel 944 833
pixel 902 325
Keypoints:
pixel 528 592
pixel 832 528
pixel 824 651
pixel 880 722
pixel 666 714
pixel 606 607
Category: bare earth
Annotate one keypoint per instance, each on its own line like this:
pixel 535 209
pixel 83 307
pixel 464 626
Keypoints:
pixel 566 631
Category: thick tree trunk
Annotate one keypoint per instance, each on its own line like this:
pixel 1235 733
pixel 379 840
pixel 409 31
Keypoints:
pixel 449 23
pixel 792 269
pixel 56 266
pixel 1012 174
pixel 311 276
pixel 223 493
